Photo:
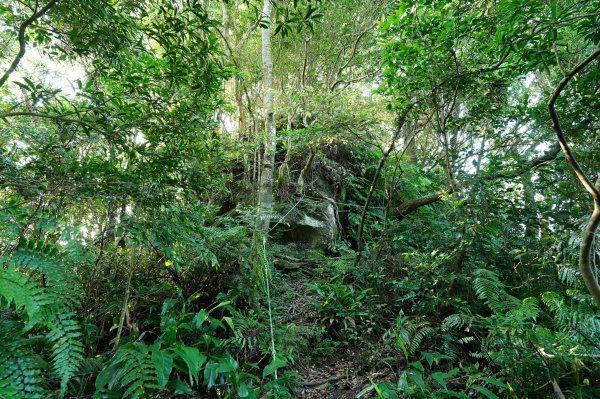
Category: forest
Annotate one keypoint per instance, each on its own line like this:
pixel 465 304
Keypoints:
pixel 318 199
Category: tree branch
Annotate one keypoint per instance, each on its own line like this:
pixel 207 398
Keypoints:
pixel 587 184
pixel 386 154
pixel 414 205
pixel 55 118
pixel 349 60
pixel 548 156
pixel 34 17
pixel 587 241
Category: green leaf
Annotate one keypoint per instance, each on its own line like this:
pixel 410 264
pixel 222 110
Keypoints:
pixel 180 387
pixel 275 365
pixel 403 384
pixel 229 322
pixel 441 377
pixel 210 374
pixel 364 391
pixel 432 358
pixel 227 365
pixel 417 366
pixel 163 362
pixel 493 381
pixel 107 376
pixel 220 305
pixel 486 392
pixel 200 318
pixel 417 379
pixel 193 360
pixel 243 391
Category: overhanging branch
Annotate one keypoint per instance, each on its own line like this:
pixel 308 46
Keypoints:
pixel 408 207
pixel 22 45
pixel 587 241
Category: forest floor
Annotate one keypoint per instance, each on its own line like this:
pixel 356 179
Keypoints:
pixel 339 373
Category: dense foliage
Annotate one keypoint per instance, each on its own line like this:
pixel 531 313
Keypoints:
pixel 299 198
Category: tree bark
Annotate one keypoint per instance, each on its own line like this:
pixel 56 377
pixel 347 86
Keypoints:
pixel 265 190
pixel 284 168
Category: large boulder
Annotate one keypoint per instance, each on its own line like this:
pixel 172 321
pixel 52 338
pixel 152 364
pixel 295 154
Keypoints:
pixel 311 222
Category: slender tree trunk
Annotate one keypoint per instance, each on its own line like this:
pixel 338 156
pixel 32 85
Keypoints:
pixel 304 171
pixel 124 308
pixel 400 124
pixel 409 142
pixel 284 169
pixel 38 13
pixel 256 155
pixel 265 190
pixel 463 244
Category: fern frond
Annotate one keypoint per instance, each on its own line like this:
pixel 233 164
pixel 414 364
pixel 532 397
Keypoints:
pixel 573 317
pixel 569 276
pixel 21 373
pixel 552 300
pixel 419 336
pixel 47 260
pixel 16 289
pixel 449 348
pixel 131 371
pixel 46 310
pixel 67 350
pixel 467 339
pixel 453 322
pixel 528 309
pixel 491 290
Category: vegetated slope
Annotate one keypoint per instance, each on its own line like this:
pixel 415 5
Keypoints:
pixel 299 199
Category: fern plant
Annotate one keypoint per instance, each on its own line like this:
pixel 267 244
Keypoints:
pixel 134 371
pixel 44 312
pixel 343 310
pixel 186 357
pixel 67 349
pixel 39 288
pixel 531 347
pixel 21 372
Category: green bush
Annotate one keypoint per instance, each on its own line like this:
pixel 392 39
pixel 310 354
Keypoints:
pixel 343 310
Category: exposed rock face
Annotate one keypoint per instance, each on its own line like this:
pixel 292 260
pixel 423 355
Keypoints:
pixel 313 223
pixel 331 219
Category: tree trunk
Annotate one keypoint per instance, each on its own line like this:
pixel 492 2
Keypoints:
pixel 304 171
pixel 284 168
pixel 265 190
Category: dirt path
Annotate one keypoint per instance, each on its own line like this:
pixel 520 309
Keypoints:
pixel 338 380
pixel 341 374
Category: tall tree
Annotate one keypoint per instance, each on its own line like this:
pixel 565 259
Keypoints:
pixel 265 190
